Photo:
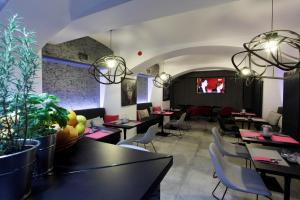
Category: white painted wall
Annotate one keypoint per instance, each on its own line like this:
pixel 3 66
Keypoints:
pixel 272 93
pixel 112 105
pixel 156 96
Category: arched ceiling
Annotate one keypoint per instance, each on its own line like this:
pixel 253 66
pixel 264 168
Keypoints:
pixel 191 58
pixel 185 35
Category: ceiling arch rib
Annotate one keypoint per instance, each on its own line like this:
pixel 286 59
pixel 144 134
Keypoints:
pixel 192 58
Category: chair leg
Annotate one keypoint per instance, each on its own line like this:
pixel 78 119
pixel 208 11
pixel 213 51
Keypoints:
pixel 213 192
pixel 153 147
pixel 215 175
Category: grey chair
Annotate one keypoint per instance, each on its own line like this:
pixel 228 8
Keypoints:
pixel 133 147
pixel 229 149
pixel 178 124
pixel 235 177
pixel 144 139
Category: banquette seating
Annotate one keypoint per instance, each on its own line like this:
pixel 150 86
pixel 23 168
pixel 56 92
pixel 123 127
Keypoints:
pixel 148 121
pixel 98 113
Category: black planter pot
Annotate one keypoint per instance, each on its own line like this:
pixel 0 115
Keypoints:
pixel 16 172
pixel 45 155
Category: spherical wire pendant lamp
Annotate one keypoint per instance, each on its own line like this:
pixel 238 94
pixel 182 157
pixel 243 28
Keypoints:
pixel 109 69
pixel 162 80
pixel 275 48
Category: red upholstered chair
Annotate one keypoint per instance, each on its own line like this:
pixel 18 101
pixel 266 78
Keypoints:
pixel 226 112
pixel 110 118
pixel 156 109
pixel 193 111
pixel 204 111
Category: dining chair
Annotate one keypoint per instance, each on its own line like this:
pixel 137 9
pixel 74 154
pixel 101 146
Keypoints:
pixel 133 147
pixel 178 124
pixel 144 139
pixel 228 127
pixel 235 177
pixel 229 149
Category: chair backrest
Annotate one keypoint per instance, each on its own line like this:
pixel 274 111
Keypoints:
pixel 221 165
pixel 180 121
pixel 150 134
pixel 218 140
pixel 133 147
pixel 226 111
pixel 221 123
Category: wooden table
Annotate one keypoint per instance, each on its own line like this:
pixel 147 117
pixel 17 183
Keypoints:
pixel 288 172
pixel 163 114
pixel 95 170
pixel 128 125
pixel 258 138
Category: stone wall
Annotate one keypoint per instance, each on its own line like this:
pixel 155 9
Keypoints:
pixel 65 72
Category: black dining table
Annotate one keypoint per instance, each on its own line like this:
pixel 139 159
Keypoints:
pixel 288 172
pixel 96 170
pixel 163 114
pixel 267 140
pixel 123 125
pixel 249 120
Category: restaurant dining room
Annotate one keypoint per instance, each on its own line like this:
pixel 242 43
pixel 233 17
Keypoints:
pixel 149 100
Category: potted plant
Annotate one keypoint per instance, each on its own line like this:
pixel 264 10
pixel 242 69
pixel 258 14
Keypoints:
pixel 45 120
pixel 18 67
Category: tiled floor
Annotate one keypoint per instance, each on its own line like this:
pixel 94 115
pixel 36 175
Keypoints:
pixel 191 174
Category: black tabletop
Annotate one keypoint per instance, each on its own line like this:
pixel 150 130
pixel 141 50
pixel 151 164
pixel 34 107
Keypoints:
pixel 95 170
pixel 89 154
pixel 130 124
pixel 268 142
pixel 293 170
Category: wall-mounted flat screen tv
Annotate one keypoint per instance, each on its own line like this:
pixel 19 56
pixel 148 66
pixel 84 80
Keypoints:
pixel 211 85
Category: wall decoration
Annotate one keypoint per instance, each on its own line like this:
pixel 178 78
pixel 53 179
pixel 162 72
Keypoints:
pixel 166 93
pixel 153 70
pixel 128 92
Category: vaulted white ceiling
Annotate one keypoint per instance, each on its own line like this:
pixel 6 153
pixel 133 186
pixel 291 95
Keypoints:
pixel 185 35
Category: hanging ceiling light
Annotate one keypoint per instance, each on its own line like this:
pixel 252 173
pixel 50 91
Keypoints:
pixel 109 69
pixel 275 48
pixel 162 80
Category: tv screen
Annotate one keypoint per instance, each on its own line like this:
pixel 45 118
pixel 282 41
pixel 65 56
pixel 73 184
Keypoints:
pixel 210 85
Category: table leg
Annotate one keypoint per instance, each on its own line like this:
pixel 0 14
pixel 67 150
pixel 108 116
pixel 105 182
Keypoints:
pixel 124 131
pixel 287 185
pixel 162 126
pixel 249 125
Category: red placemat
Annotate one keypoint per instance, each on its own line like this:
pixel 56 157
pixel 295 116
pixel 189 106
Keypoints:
pixel 252 135
pixel 168 113
pixel 287 139
pixel 240 113
pixel 262 158
pixel 97 135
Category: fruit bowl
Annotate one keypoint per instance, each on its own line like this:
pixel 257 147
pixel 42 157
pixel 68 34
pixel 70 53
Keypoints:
pixel 71 133
pixel 61 146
